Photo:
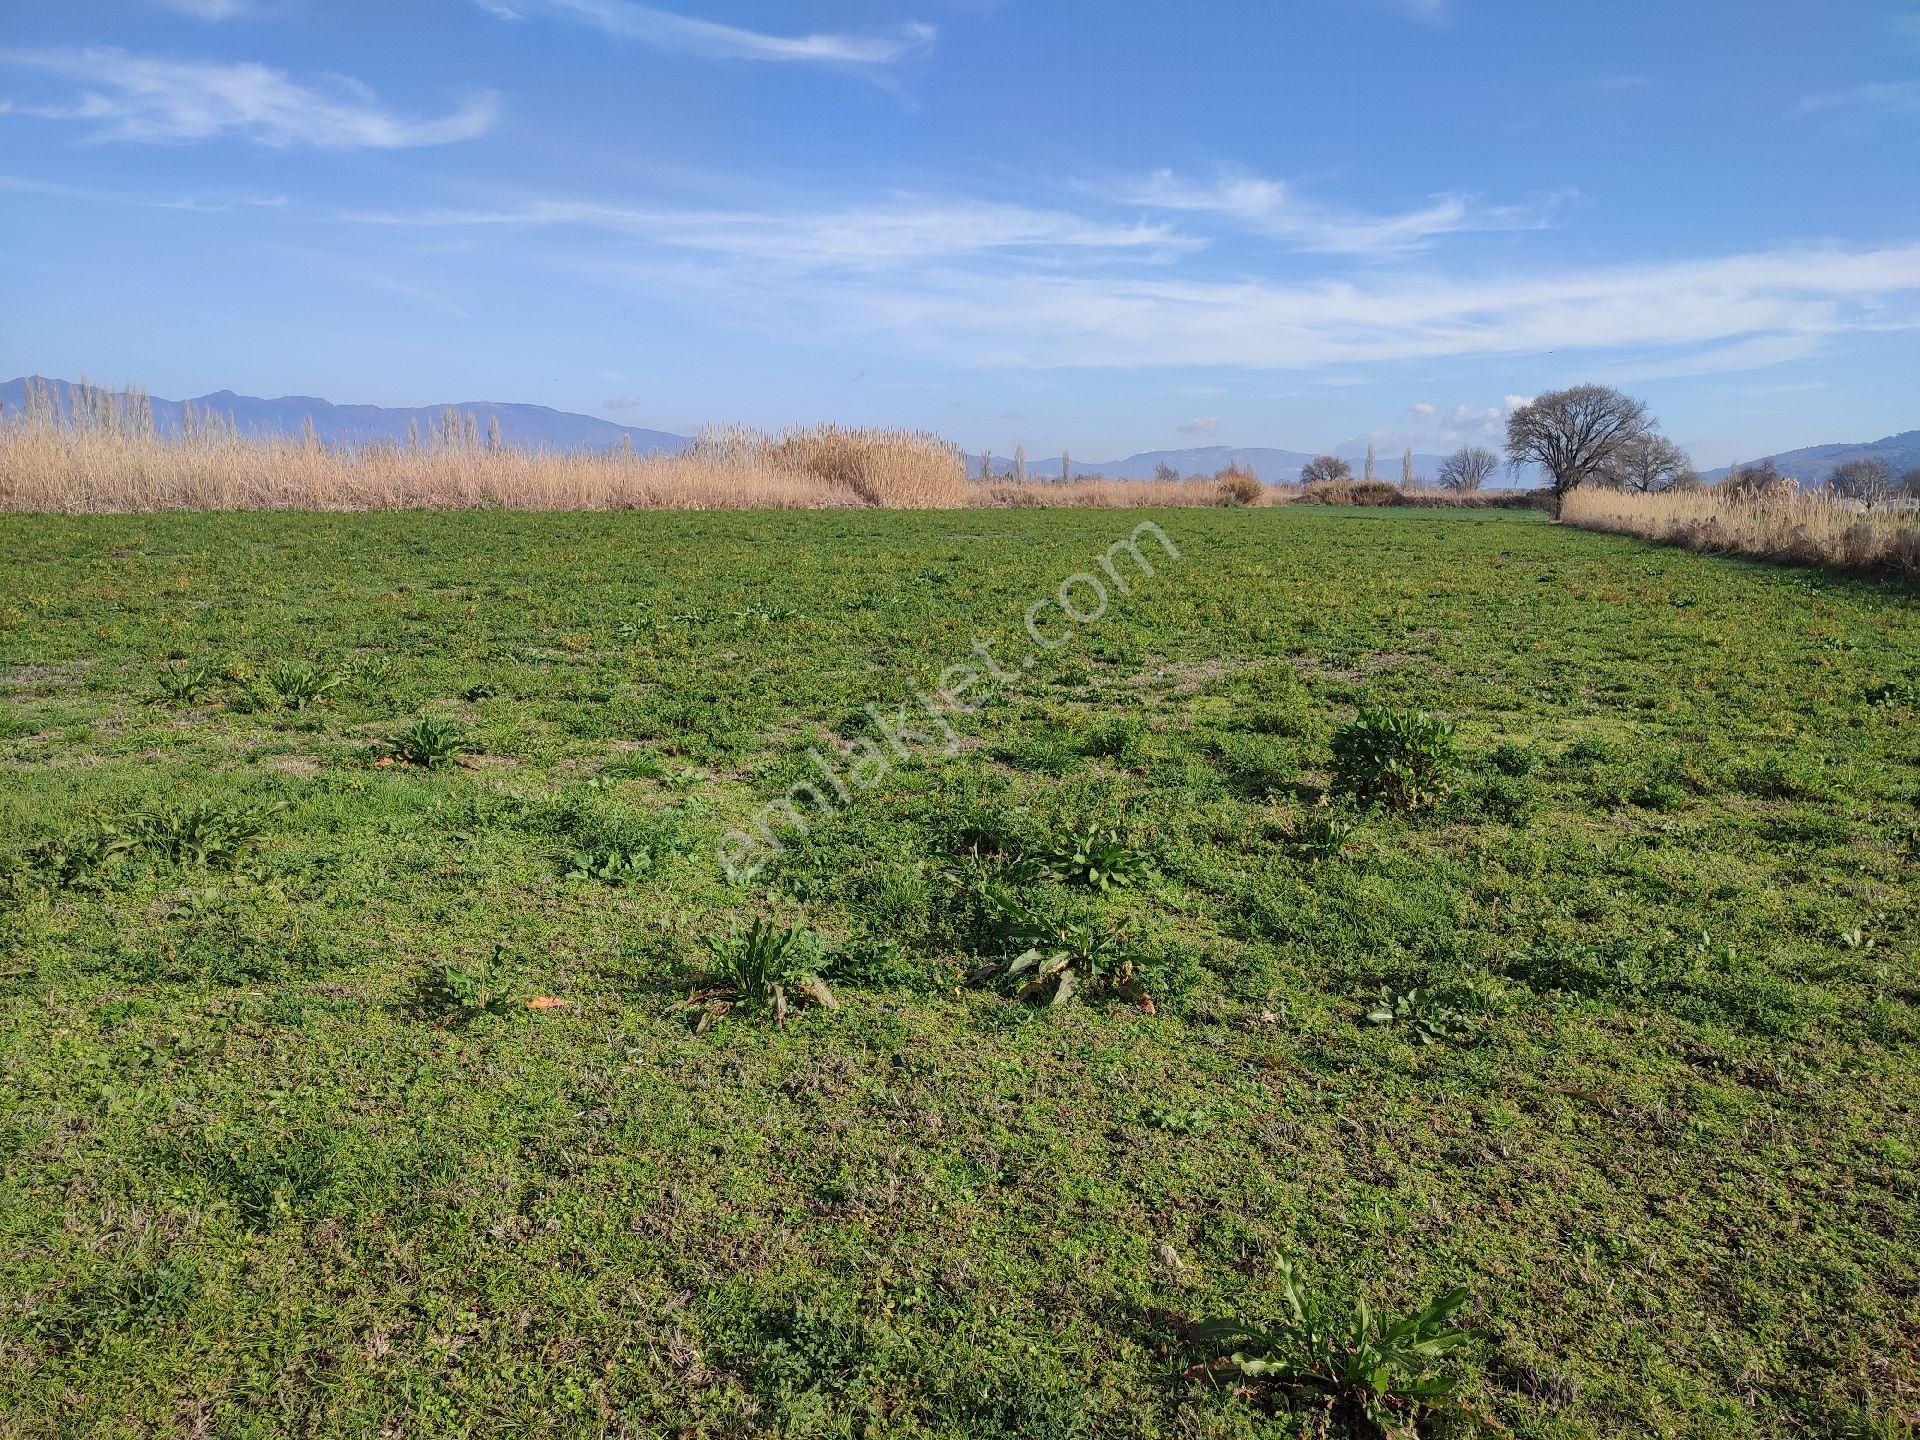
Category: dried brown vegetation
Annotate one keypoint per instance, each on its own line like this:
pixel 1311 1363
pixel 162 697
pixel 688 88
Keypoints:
pixel 1097 494
pixel 104 455
pixel 1784 524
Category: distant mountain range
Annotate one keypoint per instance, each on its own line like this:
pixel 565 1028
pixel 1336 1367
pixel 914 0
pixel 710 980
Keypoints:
pixel 538 427
pixel 532 427
pixel 1811 465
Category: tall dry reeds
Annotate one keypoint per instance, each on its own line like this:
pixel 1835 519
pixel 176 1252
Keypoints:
pixel 889 469
pixel 1787 525
pixel 105 457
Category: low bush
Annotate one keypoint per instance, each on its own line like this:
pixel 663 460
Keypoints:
pixel 1402 759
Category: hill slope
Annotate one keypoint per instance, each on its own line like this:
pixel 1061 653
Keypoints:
pixel 1812 463
pixel 530 426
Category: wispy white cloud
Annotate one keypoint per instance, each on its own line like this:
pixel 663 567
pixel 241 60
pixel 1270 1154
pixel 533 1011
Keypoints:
pixel 1895 97
pixel 1717 313
pixel 1753 353
pixel 711 40
pixel 1275 208
pixel 1204 425
pixel 1426 410
pixel 1430 10
pixel 905 228
pixel 199 205
pixel 998 284
pixel 148 99
pixel 623 402
pixel 210 9
pixel 194 204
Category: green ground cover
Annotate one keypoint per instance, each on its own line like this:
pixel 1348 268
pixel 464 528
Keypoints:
pixel 1619 1033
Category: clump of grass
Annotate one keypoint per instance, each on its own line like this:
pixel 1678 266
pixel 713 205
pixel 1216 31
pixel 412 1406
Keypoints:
pixel 430 740
pixel 1401 759
pixel 1122 738
pixel 294 684
pixel 1323 834
pixel 1421 1013
pixel 762 969
pixel 1097 858
pixel 609 865
pixel 66 861
pixel 1060 957
pixel 446 993
pixel 182 685
pixel 144 1295
pixel 272 1179
pixel 370 673
pixel 198 832
pixel 1381 1376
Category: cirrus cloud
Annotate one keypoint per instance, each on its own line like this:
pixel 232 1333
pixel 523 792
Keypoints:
pixel 1277 209
pixel 163 101
pixel 666 30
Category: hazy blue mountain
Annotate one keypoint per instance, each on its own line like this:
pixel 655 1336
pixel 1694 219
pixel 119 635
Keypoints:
pixel 1810 465
pixel 532 427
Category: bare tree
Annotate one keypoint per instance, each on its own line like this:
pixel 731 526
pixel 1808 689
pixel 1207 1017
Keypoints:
pixel 1650 464
pixel 1867 480
pixel 1325 467
pixel 1574 434
pixel 1748 481
pixel 1468 468
pixel 1066 469
pixel 1406 468
pixel 1164 472
pixel 1019 465
pixel 1369 475
pixel 1910 483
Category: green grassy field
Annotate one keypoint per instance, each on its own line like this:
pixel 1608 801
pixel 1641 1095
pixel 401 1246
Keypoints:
pixel 269 1171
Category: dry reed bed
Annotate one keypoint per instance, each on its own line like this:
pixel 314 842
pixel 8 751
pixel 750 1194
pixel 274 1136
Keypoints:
pixel 1790 526
pixel 105 470
pixel 51 468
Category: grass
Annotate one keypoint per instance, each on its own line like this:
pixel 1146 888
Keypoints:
pixel 372 1117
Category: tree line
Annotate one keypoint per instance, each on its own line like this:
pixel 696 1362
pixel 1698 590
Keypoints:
pixel 1596 435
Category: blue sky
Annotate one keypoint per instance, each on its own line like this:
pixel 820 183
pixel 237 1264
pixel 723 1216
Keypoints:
pixel 1083 223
